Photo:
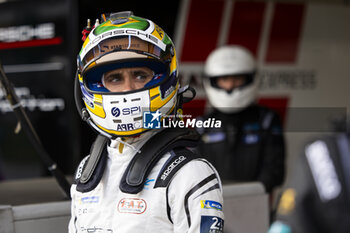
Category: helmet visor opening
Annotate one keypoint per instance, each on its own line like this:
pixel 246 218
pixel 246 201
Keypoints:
pixel 232 82
pixel 125 76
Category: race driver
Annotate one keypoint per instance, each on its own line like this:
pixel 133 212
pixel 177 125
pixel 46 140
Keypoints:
pixel 138 178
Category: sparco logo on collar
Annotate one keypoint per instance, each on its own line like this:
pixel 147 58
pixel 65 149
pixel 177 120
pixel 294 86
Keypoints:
pixel 172 166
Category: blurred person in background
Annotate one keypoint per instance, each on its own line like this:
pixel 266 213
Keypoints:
pixel 249 146
pixel 316 198
pixel 136 178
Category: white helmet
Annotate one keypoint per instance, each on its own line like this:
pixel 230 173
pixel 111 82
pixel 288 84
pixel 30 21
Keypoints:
pixel 230 60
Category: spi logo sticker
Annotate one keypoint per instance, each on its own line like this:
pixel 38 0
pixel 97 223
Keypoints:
pixel 125 111
pixel 206 204
pixel 212 224
pixel 115 112
pixel 132 206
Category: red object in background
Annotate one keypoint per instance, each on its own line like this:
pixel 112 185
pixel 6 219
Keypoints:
pixel 246 24
pixel 285 33
pixel 31 43
pixel 202 30
pixel 279 104
pixel 195 108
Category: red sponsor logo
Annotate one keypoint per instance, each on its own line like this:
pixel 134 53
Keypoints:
pixel 132 206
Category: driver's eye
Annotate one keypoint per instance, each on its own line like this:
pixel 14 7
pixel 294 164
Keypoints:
pixel 142 76
pixel 127 79
pixel 113 78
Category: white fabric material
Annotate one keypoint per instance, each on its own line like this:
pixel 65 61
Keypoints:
pixel 107 209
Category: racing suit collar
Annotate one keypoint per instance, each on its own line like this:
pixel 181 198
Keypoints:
pixel 129 145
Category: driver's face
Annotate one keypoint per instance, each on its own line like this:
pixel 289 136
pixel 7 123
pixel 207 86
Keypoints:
pixel 127 79
pixel 230 82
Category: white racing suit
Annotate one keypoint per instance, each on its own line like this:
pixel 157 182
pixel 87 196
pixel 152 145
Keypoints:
pixel 191 202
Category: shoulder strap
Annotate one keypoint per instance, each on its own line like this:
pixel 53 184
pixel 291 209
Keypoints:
pixel 138 169
pixel 95 154
pixel 92 167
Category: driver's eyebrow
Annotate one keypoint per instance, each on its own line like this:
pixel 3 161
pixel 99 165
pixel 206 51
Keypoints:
pixel 114 75
pixel 141 72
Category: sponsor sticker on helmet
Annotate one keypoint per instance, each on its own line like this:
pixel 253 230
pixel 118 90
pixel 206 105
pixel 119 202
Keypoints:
pixel 115 112
pixel 126 127
pixel 88 98
pixel 121 32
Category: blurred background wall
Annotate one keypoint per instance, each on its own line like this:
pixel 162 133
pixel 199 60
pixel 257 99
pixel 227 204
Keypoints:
pixel 302 49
